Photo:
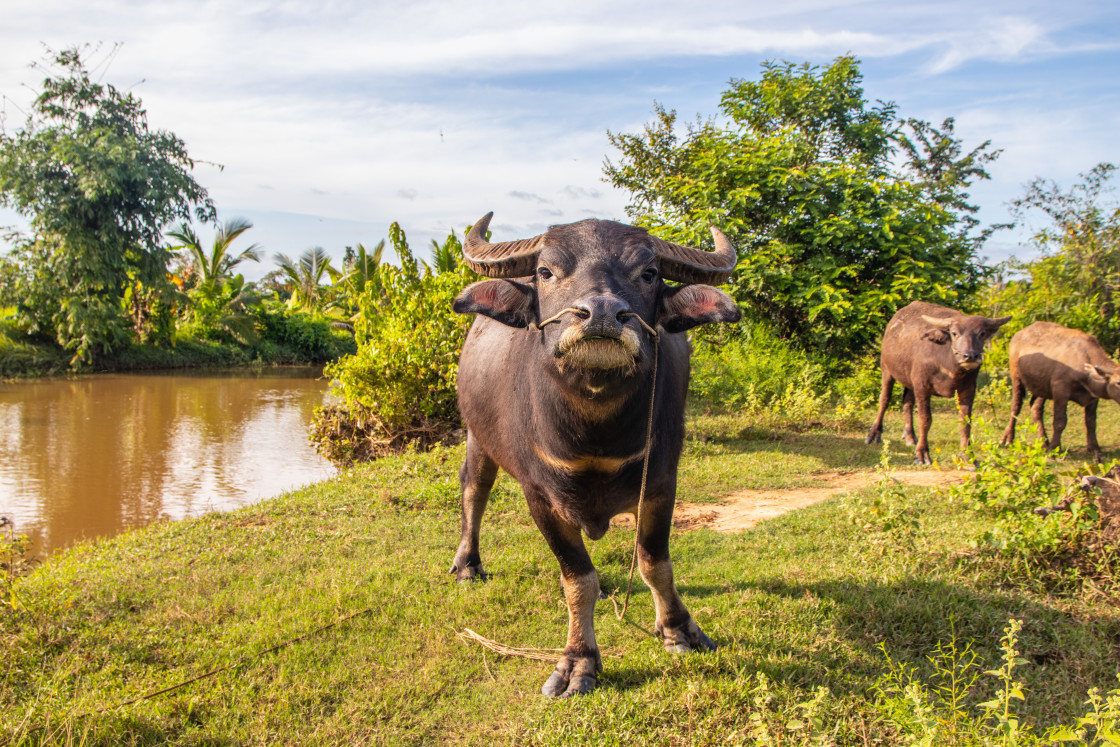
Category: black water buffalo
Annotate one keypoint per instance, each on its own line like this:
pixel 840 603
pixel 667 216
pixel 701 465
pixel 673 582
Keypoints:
pixel 931 349
pixel 555 379
pixel 1062 364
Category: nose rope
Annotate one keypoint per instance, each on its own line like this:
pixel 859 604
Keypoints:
pixel 656 339
pixel 551 319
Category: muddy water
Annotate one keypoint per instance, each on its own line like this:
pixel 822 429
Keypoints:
pixel 91 457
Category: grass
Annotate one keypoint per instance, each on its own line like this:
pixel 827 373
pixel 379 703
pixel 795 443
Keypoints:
pixel 806 601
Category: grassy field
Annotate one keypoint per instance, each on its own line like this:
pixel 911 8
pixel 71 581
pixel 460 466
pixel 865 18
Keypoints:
pixel 814 599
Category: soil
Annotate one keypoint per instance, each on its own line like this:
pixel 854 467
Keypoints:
pixel 746 508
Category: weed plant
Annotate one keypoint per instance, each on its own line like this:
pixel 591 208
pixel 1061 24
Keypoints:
pixel 1040 525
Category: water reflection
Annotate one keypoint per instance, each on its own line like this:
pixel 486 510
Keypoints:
pixel 92 456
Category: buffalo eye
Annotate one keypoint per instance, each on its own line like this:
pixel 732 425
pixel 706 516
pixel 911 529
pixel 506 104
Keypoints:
pixel 649 275
pixel 544 273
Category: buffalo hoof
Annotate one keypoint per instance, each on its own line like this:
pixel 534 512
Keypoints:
pixel 873 437
pixel 684 638
pixel 922 457
pixel 908 438
pixel 574 675
pixel 467 571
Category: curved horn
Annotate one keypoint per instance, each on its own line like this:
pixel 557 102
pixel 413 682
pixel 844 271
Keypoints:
pixel 509 259
pixel 686 264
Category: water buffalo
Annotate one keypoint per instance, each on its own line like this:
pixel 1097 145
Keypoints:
pixel 931 349
pixel 555 380
pixel 1055 362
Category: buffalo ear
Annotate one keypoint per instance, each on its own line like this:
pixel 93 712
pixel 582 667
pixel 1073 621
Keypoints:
pixel 1097 374
pixel 506 301
pixel 936 336
pixel 687 306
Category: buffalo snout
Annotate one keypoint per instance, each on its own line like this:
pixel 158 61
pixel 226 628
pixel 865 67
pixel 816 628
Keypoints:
pixel 603 315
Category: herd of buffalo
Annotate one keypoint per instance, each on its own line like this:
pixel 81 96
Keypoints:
pixel 573 379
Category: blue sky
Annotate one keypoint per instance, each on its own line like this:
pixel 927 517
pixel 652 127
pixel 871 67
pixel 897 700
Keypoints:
pixel 333 119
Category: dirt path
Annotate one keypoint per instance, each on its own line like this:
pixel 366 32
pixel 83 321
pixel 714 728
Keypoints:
pixel 746 508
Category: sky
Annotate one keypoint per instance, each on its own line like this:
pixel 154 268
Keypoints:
pixel 324 122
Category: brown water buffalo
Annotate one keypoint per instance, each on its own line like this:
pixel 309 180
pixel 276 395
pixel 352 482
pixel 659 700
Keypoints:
pixel 1055 362
pixel 931 349
pixel 555 380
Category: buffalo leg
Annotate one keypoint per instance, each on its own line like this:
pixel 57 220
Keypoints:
pixel 673 624
pixel 965 398
pixel 1061 417
pixel 476 478
pixel 921 453
pixel 908 417
pixel 875 435
pixel 578 669
pixel 1091 429
pixel 1038 412
pixel 1018 390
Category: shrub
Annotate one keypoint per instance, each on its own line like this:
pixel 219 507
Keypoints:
pixel 1019 490
pixel 748 368
pixel 399 387
pixel 308 338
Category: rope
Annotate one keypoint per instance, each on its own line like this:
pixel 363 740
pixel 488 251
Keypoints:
pixel 239 662
pixel 649 442
pixel 645 465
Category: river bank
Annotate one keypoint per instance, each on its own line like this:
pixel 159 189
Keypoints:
pixel 287 342
pixel 801 602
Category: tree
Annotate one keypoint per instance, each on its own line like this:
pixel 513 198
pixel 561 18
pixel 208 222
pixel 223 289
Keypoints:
pixel 218 301
pixel 1076 280
pixel 799 172
pixel 97 186
pixel 210 268
pixel 304 278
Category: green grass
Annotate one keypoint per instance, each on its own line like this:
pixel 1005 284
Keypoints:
pixel 799 603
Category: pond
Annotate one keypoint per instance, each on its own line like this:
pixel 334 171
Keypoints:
pixel 93 456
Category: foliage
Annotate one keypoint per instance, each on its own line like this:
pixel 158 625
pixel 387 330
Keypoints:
pixel 944 712
pixel 218 301
pixel 887 516
pixel 746 367
pixel 1076 280
pixel 305 337
pixel 399 387
pixel 98 186
pixel 1044 528
pixel 832 237
pixel 359 274
pixel 941 715
pixel 304 278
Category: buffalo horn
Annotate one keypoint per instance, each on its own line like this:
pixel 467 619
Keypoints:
pixel 514 259
pixel 686 264
pixel 508 259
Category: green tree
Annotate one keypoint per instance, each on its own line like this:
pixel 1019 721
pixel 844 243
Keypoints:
pixel 208 268
pixel 1076 279
pixel 218 301
pixel 799 171
pixel 304 278
pixel 97 186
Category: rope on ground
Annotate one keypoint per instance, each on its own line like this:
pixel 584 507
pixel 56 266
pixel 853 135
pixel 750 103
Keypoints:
pixel 243 660
pixel 538 654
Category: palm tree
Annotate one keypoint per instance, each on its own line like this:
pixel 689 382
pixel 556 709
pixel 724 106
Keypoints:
pixel 217 299
pixel 219 263
pixel 305 278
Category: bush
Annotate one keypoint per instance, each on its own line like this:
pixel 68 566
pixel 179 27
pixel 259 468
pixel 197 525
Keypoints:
pixel 399 387
pixel 1019 490
pixel 308 338
pixel 747 367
